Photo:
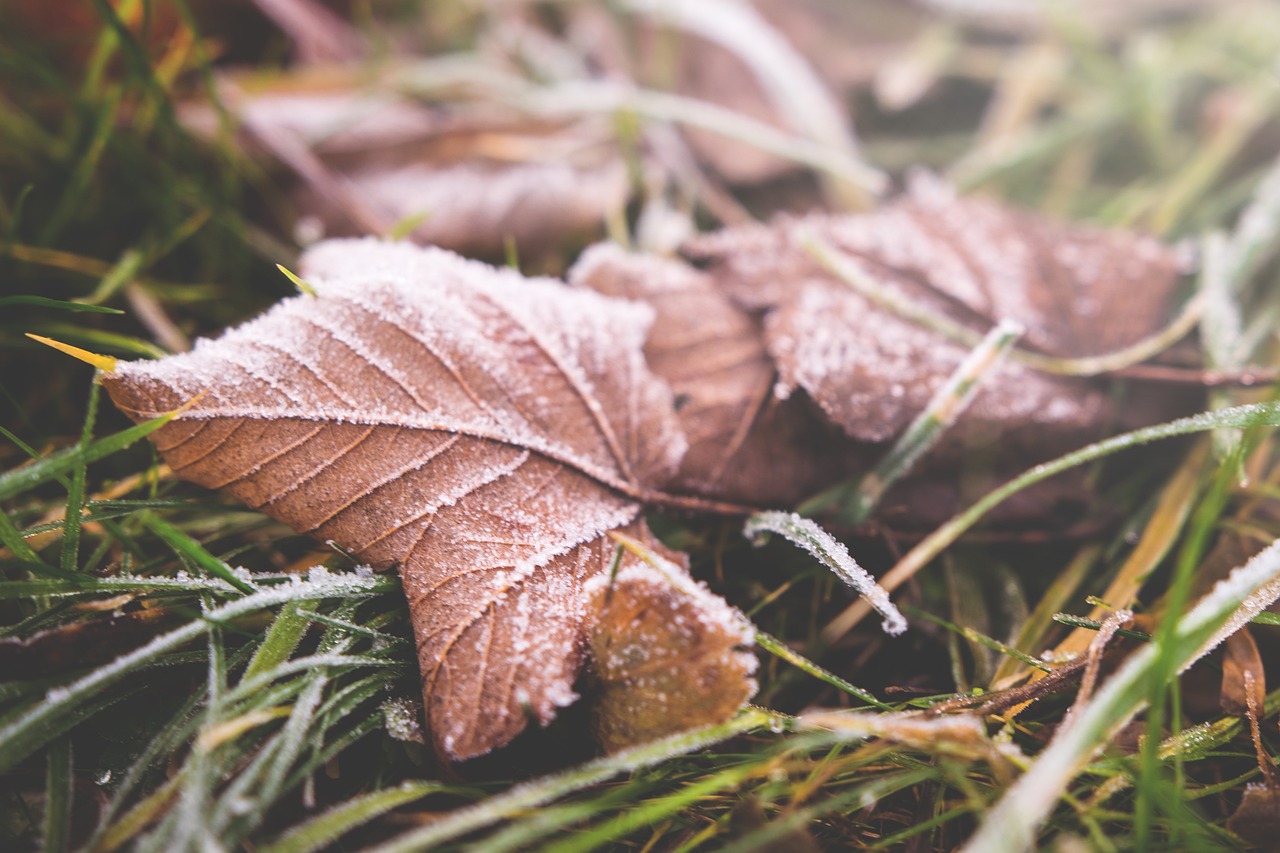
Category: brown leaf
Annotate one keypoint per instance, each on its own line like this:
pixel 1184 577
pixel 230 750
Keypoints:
pixel 478 206
pixel 1257 818
pixel 481 429
pixel 665 651
pixel 1242 673
pixel 744 443
pixel 79 644
pixel 1078 290
pixel 368 161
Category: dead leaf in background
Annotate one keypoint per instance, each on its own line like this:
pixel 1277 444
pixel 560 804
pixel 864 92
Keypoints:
pixel 80 644
pixel 665 652
pixel 473 177
pixel 734 55
pixel 745 445
pixel 1242 672
pixel 1078 290
pixel 1257 818
pixel 480 429
pixel 478 207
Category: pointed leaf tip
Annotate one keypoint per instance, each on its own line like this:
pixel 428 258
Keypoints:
pixel 105 363
pixel 297 282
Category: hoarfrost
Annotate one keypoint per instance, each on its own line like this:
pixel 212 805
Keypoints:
pixel 477 428
pixel 831 553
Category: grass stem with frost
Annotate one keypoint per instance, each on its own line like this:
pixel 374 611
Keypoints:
pixel 832 554
pixel 1239 417
pixel 539 792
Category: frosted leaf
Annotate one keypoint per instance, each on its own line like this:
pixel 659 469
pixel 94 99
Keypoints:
pixel 1078 290
pixel 746 443
pixel 479 429
pixel 873 372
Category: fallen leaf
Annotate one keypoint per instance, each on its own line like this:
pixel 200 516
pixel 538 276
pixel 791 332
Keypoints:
pixel 79 644
pixel 1257 818
pixel 665 651
pixel 480 429
pixel 1242 673
pixel 477 207
pixel 1079 291
pixel 473 180
pixel 744 443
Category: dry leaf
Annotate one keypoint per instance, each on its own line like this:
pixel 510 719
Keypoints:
pixel 472 179
pixel 744 443
pixel 1257 818
pixel 481 429
pixel 665 651
pixel 79 644
pixel 1242 671
pixel 476 188
pixel 1078 290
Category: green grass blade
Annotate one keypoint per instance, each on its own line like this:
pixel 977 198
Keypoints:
pixel 176 731
pixel 549 788
pixel 857 499
pixel 58 795
pixel 75 494
pixel 651 811
pixel 23 736
pixel 12 539
pixel 1238 417
pixel 58 304
pixel 16 482
pixel 323 830
pixel 833 554
pixel 194 553
pixel 876 789
pixel 282 638
pixel 776 647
